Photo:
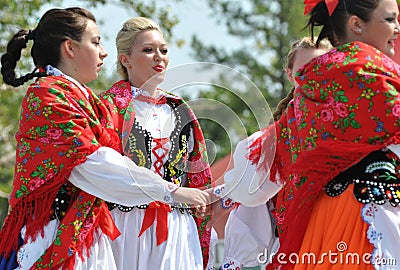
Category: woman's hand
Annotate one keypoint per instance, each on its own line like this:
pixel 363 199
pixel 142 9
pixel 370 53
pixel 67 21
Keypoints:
pixel 220 214
pixel 203 211
pixel 192 196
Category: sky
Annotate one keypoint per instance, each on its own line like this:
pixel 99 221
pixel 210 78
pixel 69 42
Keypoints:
pixel 195 18
pixel 184 76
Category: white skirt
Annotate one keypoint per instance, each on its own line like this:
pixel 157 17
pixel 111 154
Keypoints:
pixel 101 256
pixel 180 251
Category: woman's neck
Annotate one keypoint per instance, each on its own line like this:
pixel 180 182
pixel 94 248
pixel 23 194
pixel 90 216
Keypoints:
pixel 151 89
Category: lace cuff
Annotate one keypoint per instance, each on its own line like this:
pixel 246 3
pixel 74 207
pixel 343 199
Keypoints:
pixel 171 188
pixel 231 264
pixel 220 192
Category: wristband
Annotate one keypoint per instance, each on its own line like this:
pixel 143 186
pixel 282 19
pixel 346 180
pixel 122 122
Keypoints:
pixel 168 198
pixel 225 202
pixel 218 191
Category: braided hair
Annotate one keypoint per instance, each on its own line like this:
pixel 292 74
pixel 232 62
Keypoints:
pixel 56 26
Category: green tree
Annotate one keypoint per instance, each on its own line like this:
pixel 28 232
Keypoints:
pixel 264 30
pixel 9 113
pixel 17 14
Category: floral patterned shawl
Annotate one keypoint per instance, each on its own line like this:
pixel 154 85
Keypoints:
pixel 119 100
pixel 347 105
pixel 60 124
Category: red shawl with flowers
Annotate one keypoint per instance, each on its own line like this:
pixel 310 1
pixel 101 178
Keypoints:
pixel 119 100
pixel 59 126
pixel 347 105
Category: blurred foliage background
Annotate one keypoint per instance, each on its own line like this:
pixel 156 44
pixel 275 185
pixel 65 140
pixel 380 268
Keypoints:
pixel 266 27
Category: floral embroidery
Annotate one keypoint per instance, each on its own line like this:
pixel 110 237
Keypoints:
pixel 231 264
pixel 332 122
pixel 375 237
pixel 119 100
pixel 51 140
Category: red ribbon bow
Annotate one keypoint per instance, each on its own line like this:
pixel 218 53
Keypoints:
pixel 310 4
pixel 157 211
pixel 107 224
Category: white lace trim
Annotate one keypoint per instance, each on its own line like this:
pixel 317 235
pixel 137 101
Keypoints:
pixel 231 264
pixel 381 235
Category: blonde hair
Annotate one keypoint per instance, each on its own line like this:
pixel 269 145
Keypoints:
pixel 126 38
pixel 303 43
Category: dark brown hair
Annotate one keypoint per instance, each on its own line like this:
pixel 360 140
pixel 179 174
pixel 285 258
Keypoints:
pixel 55 26
pixel 334 26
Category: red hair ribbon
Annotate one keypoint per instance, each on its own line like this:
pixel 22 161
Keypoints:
pixel 310 4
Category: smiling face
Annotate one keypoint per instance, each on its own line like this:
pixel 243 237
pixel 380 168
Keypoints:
pixel 382 29
pixel 148 59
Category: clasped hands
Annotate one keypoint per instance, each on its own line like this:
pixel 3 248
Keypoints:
pixel 205 202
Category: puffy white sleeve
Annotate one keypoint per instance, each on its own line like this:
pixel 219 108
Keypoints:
pixel 244 183
pixel 115 178
pixel 249 236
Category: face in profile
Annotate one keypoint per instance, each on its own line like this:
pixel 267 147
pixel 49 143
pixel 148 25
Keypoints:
pixel 302 57
pixel 89 54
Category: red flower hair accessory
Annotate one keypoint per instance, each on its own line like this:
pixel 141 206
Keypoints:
pixel 310 4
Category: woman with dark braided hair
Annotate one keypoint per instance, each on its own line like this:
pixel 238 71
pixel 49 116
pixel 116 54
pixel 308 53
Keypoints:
pixel 58 217
pixel 333 154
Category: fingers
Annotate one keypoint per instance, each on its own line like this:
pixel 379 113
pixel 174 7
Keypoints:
pixel 203 211
pixel 200 211
pixel 219 214
pixel 202 198
pixel 194 197
pixel 213 197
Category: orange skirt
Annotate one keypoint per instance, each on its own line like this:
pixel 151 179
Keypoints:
pixel 336 236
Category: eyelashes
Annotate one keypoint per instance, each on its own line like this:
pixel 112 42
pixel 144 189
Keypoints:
pixel 150 50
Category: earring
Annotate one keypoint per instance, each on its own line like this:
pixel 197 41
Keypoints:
pixel 358 30
pixel 126 64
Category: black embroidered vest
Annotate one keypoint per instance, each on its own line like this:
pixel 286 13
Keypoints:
pixel 138 149
pixel 375 178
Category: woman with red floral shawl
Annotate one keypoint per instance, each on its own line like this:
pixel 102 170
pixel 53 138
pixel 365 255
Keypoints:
pixel 242 230
pixel 336 163
pixel 58 217
pixel 160 134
